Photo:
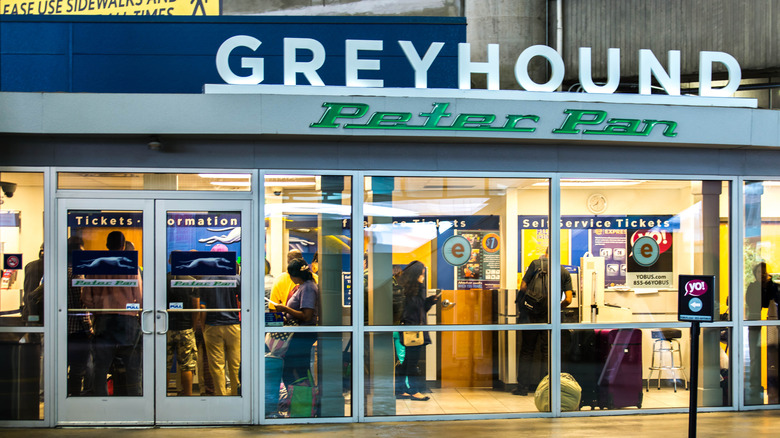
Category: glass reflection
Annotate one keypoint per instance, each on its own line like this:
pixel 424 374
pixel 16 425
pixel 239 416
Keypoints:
pixel 761 365
pixel 204 303
pixel 308 217
pixel 105 293
pixel 629 240
pixel 458 372
pixel 21 384
pixel 476 236
pixel 322 387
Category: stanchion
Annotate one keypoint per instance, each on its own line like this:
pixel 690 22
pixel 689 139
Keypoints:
pixel 693 384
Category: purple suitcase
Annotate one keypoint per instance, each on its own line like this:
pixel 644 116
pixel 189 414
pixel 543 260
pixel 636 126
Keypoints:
pixel 620 381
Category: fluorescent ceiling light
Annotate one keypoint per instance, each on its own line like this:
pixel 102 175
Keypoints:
pixel 231 183
pixel 289 183
pixel 594 182
pixel 225 175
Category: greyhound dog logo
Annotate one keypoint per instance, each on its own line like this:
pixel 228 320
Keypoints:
pixel 210 262
pixel 234 235
pixel 113 262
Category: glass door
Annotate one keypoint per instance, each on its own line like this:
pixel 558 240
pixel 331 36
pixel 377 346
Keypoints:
pixel 151 310
pixel 105 311
pixel 200 309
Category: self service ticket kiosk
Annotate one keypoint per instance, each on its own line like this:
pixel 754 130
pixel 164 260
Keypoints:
pixel 591 298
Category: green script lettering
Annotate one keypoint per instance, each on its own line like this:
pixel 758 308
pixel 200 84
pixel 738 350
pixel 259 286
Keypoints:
pixel 618 127
pixel 436 114
pixel 668 131
pixel 475 121
pixel 579 117
pixel 513 120
pixel 385 120
pixel 335 111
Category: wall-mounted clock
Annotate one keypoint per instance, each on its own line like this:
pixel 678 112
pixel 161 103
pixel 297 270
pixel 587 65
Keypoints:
pixel 597 203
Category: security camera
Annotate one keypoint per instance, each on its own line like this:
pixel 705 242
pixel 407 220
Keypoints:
pixel 277 191
pixel 8 188
pixel 154 143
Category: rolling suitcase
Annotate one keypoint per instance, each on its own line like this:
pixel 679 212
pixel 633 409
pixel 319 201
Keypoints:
pixel 582 360
pixel 620 380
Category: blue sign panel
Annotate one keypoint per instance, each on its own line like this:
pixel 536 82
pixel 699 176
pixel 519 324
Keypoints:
pixel 105 262
pixel 663 222
pixel 100 219
pixel 203 263
pixel 10 218
pixel 115 54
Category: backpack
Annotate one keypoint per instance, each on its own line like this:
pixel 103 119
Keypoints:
pixel 534 301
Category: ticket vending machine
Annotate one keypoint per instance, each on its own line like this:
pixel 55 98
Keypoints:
pixel 591 299
pixel 591 288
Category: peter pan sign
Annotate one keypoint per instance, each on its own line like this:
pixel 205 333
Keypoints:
pixel 589 122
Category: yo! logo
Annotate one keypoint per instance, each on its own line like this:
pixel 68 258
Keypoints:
pixel 695 288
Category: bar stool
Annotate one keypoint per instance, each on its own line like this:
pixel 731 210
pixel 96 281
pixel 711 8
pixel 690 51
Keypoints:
pixel 667 343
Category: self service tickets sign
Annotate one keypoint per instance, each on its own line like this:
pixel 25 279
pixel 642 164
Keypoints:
pixel 696 298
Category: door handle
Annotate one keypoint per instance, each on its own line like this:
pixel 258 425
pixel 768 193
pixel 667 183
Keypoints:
pixel 143 321
pixel 165 313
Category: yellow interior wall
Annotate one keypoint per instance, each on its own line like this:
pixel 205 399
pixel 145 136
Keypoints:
pixel 723 278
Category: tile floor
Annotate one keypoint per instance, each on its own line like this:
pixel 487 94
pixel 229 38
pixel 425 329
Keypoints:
pixel 488 400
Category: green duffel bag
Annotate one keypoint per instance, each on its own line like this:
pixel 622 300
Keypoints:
pixel 570 394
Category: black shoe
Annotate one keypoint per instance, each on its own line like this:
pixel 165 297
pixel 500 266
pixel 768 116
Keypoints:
pixel 520 390
pixel 419 397
pixel 402 396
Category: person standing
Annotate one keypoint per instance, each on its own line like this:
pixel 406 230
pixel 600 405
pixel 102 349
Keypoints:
pixel 222 333
pixel 302 309
pixel 181 330
pixel 537 271
pixel 79 332
pixel 117 332
pixel 415 307
pixel 284 286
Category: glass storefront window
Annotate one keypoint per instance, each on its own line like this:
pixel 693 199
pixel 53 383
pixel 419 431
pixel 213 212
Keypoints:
pixel 203 301
pixel 445 252
pixel 312 377
pixel 628 240
pixel 22 295
pixel 761 249
pixel 309 217
pixel 467 239
pixel 455 372
pixel 760 277
pixel 308 282
pixel 105 303
pixel 231 182
pixel 648 368
pixel 761 363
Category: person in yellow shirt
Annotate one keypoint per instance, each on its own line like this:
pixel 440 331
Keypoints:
pixel 284 285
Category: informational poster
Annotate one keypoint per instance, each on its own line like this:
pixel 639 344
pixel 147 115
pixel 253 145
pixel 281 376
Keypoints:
pixel 611 245
pixel 483 268
pixel 346 289
pixel 207 232
pixel 650 259
pixel 110 7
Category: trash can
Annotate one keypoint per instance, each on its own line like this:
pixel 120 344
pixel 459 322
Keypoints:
pixel 20 380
